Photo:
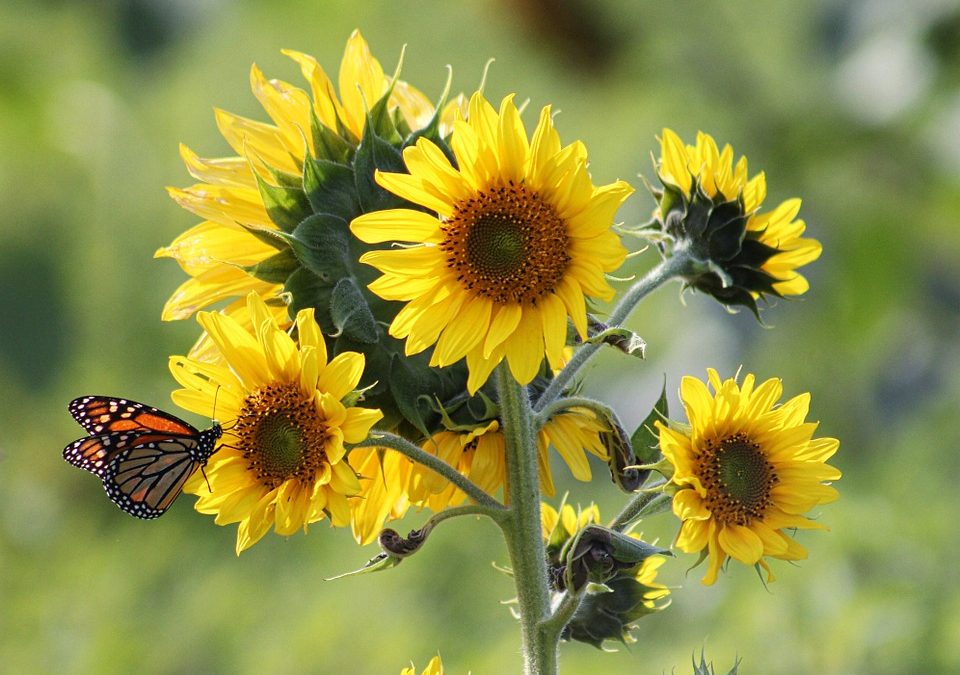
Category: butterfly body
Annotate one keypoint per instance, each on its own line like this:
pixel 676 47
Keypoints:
pixel 142 454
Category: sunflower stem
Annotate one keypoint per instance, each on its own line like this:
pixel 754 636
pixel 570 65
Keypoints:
pixel 600 409
pixel 668 268
pixel 646 503
pixel 522 531
pixel 562 614
pixel 405 447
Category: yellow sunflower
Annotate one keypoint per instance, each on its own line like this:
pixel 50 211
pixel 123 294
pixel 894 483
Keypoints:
pixel 746 470
pixel 480 455
pixel 281 462
pixel 763 258
pixel 218 252
pixel 521 238
pixel 435 667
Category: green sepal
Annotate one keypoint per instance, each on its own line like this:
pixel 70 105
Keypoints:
pixel 375 381
pixel 596 554
pixel 704 668
pixel 645 440
pixel 380 121
pixel 268 236
pixel 432 133
pixel 411 387
pixel 350 313
pixel 607 614
pixel 331 188
pixel 306 289
pixel 375 153
pixel 330 145
pixel 728 227
pixel 321 243
pixel 378 563
pixel 276 269
pixel 285 206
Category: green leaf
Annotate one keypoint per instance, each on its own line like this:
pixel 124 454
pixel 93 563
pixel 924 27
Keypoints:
pixel 378 563
pixel 623 339
pixel 331 188
pixel 322 244
pixel 275 269
pixel 645 440
pixel 375 153
pixel 285 206
pixel 350 313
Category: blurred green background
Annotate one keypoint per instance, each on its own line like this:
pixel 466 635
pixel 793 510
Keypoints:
pixel 854 106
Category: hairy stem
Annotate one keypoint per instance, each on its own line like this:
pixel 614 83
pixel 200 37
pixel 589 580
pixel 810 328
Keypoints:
pixel 667 269
pixel 522 531
pixel 403 446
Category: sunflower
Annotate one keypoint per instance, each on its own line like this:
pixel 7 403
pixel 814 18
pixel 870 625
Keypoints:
pixel 712 205
pixel 746 470
pixel 629 594
pixel 479 454
pixel 281 462
pixel 521 237
pixel 220 254
pixel 435 667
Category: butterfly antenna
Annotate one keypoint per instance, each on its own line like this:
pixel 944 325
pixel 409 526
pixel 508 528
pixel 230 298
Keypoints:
pixel 215 394
pixel 206 479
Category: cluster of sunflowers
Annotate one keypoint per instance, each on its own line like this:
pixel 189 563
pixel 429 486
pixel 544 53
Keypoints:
pixel 380 263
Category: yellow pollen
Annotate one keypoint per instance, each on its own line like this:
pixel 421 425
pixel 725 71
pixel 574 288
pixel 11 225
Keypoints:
pixel 738 479
pixel 507 243
pixel 281 435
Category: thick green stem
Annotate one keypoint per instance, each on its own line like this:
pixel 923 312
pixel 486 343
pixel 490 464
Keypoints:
pixel 528 556
pixel 382 439
pixel 668 268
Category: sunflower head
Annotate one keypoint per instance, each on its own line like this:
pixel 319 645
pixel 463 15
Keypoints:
pixel 710 208
pixel 746 469
pixel 504 240
pixel 283 458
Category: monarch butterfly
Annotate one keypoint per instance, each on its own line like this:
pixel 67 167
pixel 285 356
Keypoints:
pixel 143 455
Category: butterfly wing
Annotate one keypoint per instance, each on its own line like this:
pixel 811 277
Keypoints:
pixel 101 415
pixel 95 453
pixel 145 479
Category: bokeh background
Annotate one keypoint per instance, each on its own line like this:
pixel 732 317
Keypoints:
pixel 852 105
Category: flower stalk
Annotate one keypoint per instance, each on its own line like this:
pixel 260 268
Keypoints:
pixel 405 447
pixel 522 530
pixel 676 265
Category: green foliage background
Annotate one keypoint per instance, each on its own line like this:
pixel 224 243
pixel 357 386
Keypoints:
pixel 855 106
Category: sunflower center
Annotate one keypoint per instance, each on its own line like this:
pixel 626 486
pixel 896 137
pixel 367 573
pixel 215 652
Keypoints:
pixel 507 243
pixel 281 434
pixel 738 479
